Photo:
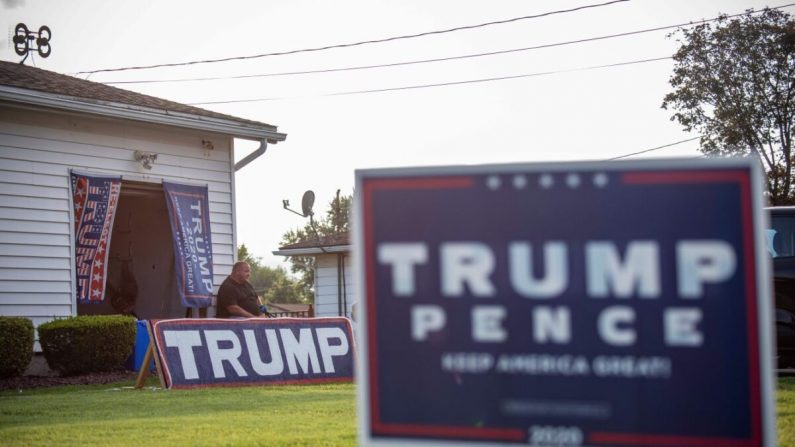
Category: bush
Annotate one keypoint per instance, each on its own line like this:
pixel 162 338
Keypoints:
pixel 16 345
pixel 84 344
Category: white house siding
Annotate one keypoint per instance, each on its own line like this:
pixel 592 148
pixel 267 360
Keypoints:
pixel 326 285
pixel 38 148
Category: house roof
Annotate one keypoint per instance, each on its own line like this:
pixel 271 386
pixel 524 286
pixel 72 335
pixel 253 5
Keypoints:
pixel 335 243
pixel 34 86
pixel 287 307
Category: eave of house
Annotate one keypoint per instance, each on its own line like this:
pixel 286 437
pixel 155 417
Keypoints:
pixel 139 113
pixel 313 250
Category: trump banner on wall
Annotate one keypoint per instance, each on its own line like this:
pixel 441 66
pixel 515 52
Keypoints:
pixel 189 215
pixel 566 304
pixel 94 199
pixel 196 353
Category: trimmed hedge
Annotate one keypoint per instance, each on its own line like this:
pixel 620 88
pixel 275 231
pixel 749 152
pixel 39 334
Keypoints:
pixel 90 343
pixel 16 345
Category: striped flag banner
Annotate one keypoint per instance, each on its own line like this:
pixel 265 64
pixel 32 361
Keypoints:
pixel 95 199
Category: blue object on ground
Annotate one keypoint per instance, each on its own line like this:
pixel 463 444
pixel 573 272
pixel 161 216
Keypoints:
pixel 139 350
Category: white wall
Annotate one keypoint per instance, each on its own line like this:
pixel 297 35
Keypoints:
pixel 38 148
pixel 326 281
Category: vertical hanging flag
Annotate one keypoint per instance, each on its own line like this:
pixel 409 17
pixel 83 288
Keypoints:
pixel 95 199
pixel 189 214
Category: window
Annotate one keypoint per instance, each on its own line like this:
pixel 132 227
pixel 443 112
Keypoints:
pixel 781 237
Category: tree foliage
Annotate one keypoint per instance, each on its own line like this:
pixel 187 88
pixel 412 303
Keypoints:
pixel 335 222
pixel 274 284
pixel 734 83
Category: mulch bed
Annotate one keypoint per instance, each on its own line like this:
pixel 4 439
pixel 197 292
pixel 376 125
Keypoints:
pixel 27 382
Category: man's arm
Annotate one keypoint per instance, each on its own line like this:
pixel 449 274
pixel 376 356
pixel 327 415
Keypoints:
pixel 238 311
pixel 261 307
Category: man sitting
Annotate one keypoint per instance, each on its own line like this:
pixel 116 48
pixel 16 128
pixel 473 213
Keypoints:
pixel 236 296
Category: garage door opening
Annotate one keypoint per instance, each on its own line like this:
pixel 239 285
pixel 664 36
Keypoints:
pixel 141 279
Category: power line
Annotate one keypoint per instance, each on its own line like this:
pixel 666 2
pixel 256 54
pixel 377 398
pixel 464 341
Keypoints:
pixel 654 148
pixel 397 64
pixel 442 84
pixel 442 59
pixel 354 44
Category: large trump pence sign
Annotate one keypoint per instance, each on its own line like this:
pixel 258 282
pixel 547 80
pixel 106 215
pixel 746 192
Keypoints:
pixel 622 304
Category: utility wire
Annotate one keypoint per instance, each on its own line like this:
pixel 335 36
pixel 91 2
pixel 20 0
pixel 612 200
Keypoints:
pixel 654 148
pixel 442 59
pixel 442 84
pixel 365 42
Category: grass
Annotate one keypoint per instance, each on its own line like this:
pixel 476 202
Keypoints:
pixel 318 415
pixel 785 408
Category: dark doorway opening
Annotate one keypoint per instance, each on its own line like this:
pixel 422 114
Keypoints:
pixel 141 277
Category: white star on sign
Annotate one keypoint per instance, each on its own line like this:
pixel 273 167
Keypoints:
pixel 600 180
pixel 493 182
pixel 573 180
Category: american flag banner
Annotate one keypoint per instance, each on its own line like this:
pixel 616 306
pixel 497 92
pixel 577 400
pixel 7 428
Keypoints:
pixel 95 199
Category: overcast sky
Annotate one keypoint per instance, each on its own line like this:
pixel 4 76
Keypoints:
pixel 559 113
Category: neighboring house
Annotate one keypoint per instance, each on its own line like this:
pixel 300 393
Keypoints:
pixel 334 289
pixel 51 123
pixel 290 310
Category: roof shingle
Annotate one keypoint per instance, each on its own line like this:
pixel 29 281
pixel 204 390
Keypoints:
pixel 32 78
pixel 326 241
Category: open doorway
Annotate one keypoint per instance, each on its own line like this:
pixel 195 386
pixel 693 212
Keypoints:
pixel 141 278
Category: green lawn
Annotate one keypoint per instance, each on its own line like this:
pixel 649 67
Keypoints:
pixel 785 407
pixel 318 415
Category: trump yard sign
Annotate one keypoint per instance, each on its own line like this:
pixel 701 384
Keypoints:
pixel 210 352
pixel 565 304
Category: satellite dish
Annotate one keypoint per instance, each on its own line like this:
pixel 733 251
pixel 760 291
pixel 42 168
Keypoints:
pixel 307 201
pixel 306 205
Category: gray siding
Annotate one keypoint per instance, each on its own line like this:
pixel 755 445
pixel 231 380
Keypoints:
pixel 326 286
pixel 37 149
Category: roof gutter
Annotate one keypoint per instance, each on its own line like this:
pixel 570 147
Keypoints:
pixel 145 114
pixel 312 250
pixel 263 146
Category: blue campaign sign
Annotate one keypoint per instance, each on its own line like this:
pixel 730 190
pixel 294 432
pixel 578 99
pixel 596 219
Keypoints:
pixel 193 353
pixel 622 304
pixel 189 216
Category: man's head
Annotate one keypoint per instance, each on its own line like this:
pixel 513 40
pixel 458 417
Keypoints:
pixel 241 271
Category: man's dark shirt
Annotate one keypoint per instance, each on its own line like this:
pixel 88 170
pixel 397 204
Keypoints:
pixel 243 295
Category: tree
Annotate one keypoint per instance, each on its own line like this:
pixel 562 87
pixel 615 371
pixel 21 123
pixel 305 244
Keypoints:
pixel 334 223
pixel 287 290
pixel 734 83
pixel 273 284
